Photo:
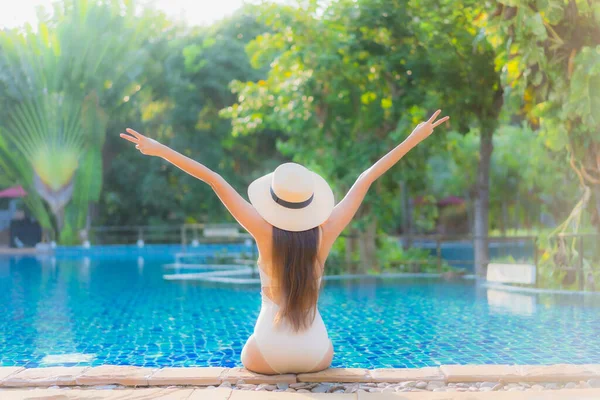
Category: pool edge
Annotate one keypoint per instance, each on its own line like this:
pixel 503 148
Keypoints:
pixel 15 377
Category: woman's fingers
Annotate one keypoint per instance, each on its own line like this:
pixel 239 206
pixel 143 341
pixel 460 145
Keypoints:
pixel 441 121
pixel 130 138
pixel 134 133
pixel 434 116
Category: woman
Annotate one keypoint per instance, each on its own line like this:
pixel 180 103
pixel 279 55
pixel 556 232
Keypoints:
pixel 293 218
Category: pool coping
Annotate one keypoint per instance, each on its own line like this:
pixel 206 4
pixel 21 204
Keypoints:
pixel 15 377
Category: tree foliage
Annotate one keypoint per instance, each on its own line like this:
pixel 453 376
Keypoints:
pixel 184 84
pixel 62 81
pixel 524 176
pixel 348 81
pixel 550 53
pixel 331 85
pixel 336 87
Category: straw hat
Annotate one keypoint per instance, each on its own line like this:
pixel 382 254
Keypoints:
pixel 292 198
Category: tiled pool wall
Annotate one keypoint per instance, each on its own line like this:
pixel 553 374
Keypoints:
pixel 154 250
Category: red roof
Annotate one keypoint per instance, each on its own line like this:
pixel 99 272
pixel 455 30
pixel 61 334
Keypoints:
pixel 13 192
pixel 450 200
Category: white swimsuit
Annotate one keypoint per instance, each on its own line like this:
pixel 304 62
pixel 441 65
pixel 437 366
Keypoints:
pixel 283 349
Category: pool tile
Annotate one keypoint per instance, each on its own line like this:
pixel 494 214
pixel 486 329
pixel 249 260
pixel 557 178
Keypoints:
pixel 6 372
pixel 479 373
pixel 235 374
pixel 187 376
pixel 116 374
pixel 336 375
pixel 64 376
pixel 128 316
pixel 406 374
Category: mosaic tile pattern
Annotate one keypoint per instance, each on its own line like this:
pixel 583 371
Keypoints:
pixel 117 309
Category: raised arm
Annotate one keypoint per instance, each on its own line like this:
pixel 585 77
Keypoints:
pixel 345 210
pixel 241 210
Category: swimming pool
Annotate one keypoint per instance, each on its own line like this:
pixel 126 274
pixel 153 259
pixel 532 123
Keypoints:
pixel 115 308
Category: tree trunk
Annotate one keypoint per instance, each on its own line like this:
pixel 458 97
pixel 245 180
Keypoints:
pixel 596 190
pixel 368 248
pixel 469 210
pixel 482 203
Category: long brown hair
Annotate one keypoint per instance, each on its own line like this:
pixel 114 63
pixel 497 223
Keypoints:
pixel 295 271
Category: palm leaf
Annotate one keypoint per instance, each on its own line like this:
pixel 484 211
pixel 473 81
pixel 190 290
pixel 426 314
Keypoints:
pixel 55 126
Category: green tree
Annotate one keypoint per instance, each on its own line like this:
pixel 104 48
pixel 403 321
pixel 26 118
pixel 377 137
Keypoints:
pixel 62 81
pixel 550 56
pixel 185 81
pixel 468 88
pixel 339 82
pixel 349 80
pixel 524 176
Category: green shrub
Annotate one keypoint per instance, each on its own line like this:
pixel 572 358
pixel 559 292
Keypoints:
pixel 394 258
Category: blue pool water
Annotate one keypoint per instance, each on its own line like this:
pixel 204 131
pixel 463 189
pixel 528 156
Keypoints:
pixel 115 308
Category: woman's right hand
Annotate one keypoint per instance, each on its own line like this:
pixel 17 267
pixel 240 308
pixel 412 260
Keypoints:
pixel 424 129
pixel 145 145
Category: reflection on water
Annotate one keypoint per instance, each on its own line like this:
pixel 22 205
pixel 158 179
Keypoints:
pixel 71 358
pixel 503 302
pixel 140 265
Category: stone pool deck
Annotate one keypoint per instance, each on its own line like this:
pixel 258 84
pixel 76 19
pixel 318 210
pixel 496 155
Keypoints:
pixel 228 394
pixel 565 381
